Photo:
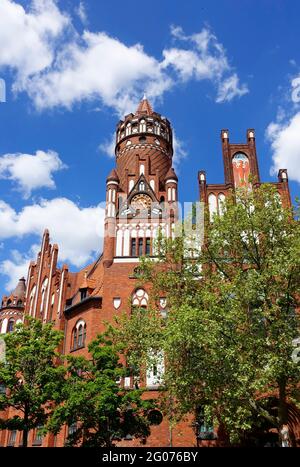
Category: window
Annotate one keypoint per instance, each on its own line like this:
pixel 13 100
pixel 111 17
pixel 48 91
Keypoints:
pixel 38 438
pixel 79 335
pixel 204 430
pixel 44 288
pixel 8 302
pixel 142 126
pixel 19 303
pixel 140 246
pixel 83 294
pixel 133 247
pixel 12 438
pixel 140 298
pixel 31 301
pixel 72 429
pixel 155 370
pixel 141 241
pixel 148 246
pixel 10 326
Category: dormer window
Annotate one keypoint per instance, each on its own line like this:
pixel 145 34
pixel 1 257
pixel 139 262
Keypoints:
pixel 83 294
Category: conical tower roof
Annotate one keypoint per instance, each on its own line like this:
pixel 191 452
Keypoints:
pixel 20 290
pixel 171 174
pixel 113 176
pixel 144 107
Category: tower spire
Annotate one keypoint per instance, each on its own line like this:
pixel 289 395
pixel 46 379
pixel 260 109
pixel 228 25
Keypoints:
pixel 144 107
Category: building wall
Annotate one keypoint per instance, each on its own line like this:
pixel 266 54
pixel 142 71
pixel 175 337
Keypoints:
pixel 103 290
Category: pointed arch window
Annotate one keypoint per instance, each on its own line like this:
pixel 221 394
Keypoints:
pixel 140 298
pixel 79 335
pixel 43 292
pixel 31 299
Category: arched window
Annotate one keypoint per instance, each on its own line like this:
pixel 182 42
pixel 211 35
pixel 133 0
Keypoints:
pixel 31 299
pixel 213 207
pixel 8 302
pixel 140 298
pixel 43 293
pixel 221 203
pixel 241 170
pixel 19 303
pixel 10 325
pixel 142 126
pixel 128 129
pixel 79 335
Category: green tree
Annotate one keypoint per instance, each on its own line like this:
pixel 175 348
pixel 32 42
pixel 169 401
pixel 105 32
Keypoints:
pixel 32 376
pixel 232 315
pixel 96 404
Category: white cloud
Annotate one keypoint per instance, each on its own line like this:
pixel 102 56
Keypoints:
pixel 204 59
pixel 230 88
pixel 108 146
pixel 30 172
pixel 285 144
pixel 57 66
pixel 17 266
pixel 78 231
pixel 296 90
pixel 180 151
pixel 99 67
pixel 81 12
pixel 28 37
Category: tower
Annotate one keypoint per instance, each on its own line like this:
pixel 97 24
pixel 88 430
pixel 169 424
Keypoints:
pixel 142 189
pixel 241 169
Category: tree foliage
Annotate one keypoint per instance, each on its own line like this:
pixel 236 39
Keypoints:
pixel 232 314
pixel 95 403
pixel 32 375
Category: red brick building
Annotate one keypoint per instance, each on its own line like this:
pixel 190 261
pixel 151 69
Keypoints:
pixel 141 196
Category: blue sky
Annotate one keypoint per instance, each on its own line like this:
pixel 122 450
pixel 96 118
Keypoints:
pixel 73 68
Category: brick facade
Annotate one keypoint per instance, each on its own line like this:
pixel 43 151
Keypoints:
pixel 143 182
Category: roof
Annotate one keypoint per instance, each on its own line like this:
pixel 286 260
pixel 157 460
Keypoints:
pixel 171 174
pixel 20 290
pixel 113 176
pixel 144 107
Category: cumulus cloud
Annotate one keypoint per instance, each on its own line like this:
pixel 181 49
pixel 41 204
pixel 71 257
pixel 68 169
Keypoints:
pixel 108 146
pixel 204 59
pixel 98 67
pixel 57 66
pixel 283 134
pixel 31 171
pixel 78 231
pixel 285 144
pixel 28 37
pixel 17 266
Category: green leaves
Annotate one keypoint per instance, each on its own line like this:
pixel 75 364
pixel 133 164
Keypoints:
pixel 95 401
pixel 31 374
pixel 228 335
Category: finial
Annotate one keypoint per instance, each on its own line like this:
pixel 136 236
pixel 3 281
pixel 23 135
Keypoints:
pixel 144 97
